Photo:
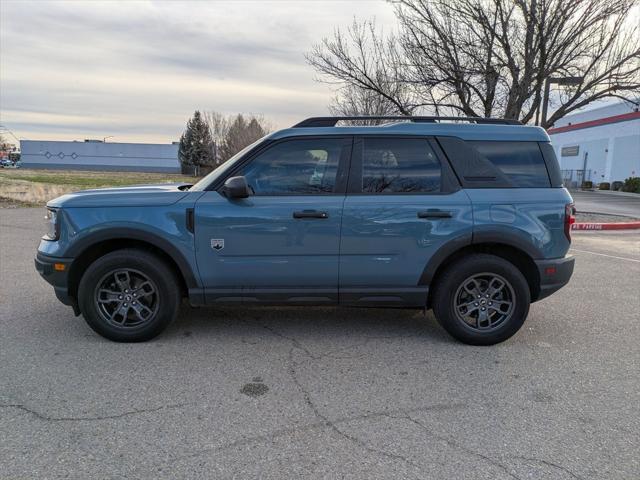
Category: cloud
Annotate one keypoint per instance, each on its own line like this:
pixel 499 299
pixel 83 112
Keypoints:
pixel 137 70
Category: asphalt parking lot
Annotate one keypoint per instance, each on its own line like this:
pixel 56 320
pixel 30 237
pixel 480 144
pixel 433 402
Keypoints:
pixel 323 393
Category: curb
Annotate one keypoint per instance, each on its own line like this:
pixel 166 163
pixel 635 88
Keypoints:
pixel 606 226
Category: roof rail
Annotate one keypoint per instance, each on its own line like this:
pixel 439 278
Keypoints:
pixel 331 121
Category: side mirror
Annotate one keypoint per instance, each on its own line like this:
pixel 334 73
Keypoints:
pixel 236 187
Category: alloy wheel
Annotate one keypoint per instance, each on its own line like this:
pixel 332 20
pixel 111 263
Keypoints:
pixel 484 301
pixel 126 298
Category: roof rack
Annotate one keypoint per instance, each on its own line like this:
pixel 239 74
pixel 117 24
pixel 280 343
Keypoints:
pixel 331 121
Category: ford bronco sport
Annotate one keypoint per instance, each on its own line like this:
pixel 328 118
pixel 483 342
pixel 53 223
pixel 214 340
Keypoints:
pixel 465 216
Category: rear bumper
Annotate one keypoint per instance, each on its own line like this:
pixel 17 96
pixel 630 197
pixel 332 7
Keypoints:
pixel 554 274
pixel 59 279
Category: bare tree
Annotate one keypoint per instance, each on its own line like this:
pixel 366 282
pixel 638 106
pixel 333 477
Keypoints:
pixel 243 131
pixel 490 57
pixel 353 101
pixel 5 145
pixel 219 126
pixel 234 132
pixel 364 59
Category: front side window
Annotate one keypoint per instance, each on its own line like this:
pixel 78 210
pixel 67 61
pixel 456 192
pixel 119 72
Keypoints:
pixel 399 165
pixel 521 162
pixel 296 167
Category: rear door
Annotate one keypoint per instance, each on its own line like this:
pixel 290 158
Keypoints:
pixel 282 243
pixel 403 205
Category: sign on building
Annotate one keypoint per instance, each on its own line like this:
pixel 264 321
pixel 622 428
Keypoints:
pixel 570 151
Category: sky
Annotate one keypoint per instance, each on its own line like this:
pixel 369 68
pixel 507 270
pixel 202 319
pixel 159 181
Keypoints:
pixel 136 70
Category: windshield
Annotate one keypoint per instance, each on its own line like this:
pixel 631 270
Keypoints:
pixel 207 180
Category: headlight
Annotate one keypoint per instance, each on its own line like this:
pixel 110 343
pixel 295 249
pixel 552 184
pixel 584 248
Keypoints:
pixel 53 230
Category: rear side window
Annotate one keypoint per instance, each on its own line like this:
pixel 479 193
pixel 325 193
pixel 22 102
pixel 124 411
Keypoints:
pixel 399 165
pixel 521 162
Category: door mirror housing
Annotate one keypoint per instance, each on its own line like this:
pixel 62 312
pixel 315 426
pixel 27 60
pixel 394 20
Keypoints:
pixel 236 187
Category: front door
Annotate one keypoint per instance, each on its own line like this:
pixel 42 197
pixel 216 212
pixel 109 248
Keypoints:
pixel 403 204
pixel 282 243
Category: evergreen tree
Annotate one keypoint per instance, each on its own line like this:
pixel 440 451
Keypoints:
pixel 196 144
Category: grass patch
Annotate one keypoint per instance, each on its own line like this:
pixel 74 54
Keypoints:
pixel 36 187
pixel 91 179
pixel 11 203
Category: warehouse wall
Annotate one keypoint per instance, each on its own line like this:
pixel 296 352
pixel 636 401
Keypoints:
pixel 613 148
pixel 143 157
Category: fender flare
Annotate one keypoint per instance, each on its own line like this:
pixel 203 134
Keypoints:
pixel 128 233
pixel 440 255
pixel 511 236
pixel 497 234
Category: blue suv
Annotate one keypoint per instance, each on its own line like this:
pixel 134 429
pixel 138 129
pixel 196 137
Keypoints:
pixel 465 216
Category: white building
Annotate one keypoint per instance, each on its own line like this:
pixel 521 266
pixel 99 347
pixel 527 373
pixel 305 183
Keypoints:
pixel 605 142
pixel 98 155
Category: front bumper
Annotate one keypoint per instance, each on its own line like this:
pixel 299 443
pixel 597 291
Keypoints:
pixel 554 274
pixel 58 278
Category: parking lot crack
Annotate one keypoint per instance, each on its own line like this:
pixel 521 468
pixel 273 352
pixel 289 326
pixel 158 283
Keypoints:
pixel 456 445
pixel 333 426
pixel 296 345
pixel 293 341
pixel 49 418
pixel 549 464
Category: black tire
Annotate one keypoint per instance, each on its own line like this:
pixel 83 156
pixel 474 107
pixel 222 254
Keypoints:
pixel 103 302
pixel 457 302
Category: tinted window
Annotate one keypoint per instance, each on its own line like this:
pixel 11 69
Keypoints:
pixel 296 167
pixel 521 162
pixel 399 166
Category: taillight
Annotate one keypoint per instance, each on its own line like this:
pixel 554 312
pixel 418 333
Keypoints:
pixel 569 219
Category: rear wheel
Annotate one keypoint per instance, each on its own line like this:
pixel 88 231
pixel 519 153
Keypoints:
pixel 481 299
pixel 129 295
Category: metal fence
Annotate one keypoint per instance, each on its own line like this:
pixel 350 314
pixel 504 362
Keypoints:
pixel 575 178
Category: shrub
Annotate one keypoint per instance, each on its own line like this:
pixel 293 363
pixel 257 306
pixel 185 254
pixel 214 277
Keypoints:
pixel 587 185
pixel 631 184
pixel 604 186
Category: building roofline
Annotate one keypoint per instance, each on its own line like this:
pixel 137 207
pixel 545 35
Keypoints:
pixel 82 142
pixel 625 117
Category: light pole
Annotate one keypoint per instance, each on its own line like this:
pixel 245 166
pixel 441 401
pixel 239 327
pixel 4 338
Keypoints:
pixel 547 87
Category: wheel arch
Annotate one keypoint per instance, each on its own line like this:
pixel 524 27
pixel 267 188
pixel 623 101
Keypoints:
pixel 522 260
pixel 90 248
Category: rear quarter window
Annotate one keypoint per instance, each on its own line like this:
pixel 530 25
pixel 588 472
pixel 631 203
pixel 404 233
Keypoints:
pixel 521 162
pixel 399 165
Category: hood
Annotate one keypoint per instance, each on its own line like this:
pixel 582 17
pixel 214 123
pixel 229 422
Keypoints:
pixel 131 196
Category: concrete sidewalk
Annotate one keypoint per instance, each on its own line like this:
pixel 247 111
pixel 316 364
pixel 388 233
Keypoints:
pixel 611 203
pixel 615 193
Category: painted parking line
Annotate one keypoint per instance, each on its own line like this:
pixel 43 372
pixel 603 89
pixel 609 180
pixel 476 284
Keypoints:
pixel 605 255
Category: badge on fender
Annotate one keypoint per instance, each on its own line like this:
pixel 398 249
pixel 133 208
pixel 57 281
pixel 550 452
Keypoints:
pixel 217 243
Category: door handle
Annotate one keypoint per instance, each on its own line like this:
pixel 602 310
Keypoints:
pixel 434 214
pixel 310 214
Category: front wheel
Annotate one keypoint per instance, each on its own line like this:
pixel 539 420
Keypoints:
pixel 481 299
pixel 129 295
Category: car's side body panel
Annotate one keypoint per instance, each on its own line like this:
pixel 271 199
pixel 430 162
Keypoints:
pixel 386 245
pixel 164 228
pixel 531 219
pixel 248 247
